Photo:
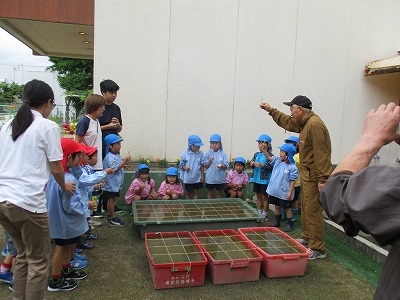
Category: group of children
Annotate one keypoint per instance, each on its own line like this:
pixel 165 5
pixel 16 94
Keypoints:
pixel 93 162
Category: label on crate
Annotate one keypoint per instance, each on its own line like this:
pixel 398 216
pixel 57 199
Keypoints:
pixel 183 279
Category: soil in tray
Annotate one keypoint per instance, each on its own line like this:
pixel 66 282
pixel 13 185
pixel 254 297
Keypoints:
pixel 225 247
pixel 274 244
pixel 173 250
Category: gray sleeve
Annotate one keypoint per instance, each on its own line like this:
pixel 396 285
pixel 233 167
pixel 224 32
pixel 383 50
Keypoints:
pixel 368 200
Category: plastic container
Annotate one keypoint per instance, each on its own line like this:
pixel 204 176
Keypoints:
pixel 282 255
pixel 232 258
pixel 175 260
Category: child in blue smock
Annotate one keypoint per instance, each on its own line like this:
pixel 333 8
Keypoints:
pixel 67 220
pixel 114 181
pixel 281 185
pixel 192 167
pixel 87 180
pixel 216 164
pixel 261 174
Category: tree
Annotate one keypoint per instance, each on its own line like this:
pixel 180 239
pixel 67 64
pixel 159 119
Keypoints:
pixel 10 93
pixel 75 76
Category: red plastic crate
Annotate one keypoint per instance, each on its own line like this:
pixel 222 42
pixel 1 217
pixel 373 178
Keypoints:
pixel 175 259
pixel 282 255
pixel 232 258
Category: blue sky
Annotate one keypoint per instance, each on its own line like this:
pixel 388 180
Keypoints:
pixel 14 52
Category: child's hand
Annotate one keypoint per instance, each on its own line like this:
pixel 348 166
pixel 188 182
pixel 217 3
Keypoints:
pixel 154 194
pixel 289 196
pixel 109 171
pixel 252 164
pixel 92 205
pixel 128 158
pixel 220 166
pixel 186 168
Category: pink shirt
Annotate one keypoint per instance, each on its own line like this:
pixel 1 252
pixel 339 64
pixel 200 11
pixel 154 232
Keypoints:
pixel 176 188
pixel 234 177
pixel 134 188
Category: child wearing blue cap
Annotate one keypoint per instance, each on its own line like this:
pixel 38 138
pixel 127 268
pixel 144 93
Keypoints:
pixel 216 164
pixel 261 174
pixel 294 140
pixel 192 167
pixel 142 187
pixel 113 181
pixel 170 188
pixel 281 185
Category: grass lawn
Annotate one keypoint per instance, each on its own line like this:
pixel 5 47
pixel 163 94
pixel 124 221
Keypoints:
pixel 118 269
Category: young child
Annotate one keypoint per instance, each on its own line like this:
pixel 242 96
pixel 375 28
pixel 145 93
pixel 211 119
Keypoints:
pixel 67 221
pixel 237 178
pixel 216 164
pixel 88 179
pixel 142 187
pixel 281 186
pixel 261 174
pixel 114 181
pixel 88 131
pixel 192 167
pixel 170 188
pixel 294 140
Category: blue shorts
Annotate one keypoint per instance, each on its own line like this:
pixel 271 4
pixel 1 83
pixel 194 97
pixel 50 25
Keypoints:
pixel 260 188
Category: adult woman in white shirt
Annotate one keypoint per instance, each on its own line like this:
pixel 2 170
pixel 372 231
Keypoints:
pixel 30 151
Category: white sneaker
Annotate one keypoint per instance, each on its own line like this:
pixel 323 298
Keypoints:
pixel 94 222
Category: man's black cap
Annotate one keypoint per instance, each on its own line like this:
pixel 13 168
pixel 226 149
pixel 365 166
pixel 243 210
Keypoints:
pixel 300 100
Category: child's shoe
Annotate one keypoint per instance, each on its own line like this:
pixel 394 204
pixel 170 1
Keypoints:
pixel 277 222
pixel 118 210
pixel 94 222
pixel 80 256
pixel 265 215
pixel 74 274
pixel 6 276
pixel 295 212
pixel 115 221
pixel 283 214
pixel 78 250
pixel 61 285
pixel 289 227
pixel 91 236
pixel 85 245
pixel 4 252
pixel 97 214
pixel 78 264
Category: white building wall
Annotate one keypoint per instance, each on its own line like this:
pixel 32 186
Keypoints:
pixel 202 67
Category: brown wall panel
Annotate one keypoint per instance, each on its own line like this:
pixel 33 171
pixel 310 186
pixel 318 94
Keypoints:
pixel 58 11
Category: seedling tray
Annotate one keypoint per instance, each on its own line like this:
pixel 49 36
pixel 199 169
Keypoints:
pixel 191 215
pixel 175 260
pixel 282 255
pixel 232 258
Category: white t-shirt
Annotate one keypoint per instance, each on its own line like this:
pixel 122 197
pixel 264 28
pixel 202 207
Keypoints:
pixel 24 164
pixel 91 131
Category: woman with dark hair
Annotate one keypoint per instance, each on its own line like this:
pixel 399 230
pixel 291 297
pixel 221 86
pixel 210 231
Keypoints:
pixel 30 151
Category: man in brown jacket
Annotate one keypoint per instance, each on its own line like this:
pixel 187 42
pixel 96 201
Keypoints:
pixel 315 166
pixel 362 197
